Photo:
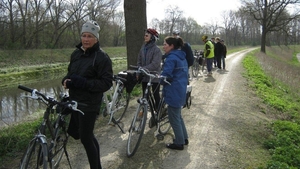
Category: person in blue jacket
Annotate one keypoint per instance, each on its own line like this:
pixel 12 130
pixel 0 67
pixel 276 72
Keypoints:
pixel 175 68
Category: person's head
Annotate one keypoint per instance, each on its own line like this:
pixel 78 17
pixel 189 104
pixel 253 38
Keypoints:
pixel 222 41
pixel 212 39
pixel 204 38
pixel 171 43
pixel 89 34
pixel 218 39
pixel 176 33
pixel 151 35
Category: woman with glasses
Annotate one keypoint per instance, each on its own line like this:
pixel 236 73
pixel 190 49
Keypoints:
pixel 150 58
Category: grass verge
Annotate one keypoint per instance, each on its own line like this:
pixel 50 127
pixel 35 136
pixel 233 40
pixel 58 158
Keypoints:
pixel 284 139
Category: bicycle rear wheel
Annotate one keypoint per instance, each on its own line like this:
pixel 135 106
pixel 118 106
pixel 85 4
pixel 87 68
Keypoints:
pixel 58 147
pixel 195 68
pixel 121 103
pixel 136 130
pixel 163 120
pixel 36 155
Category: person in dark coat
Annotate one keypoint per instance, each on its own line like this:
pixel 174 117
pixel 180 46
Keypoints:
pixel 219 51
pixel 150 58
pixel 224 54
pixel 89 76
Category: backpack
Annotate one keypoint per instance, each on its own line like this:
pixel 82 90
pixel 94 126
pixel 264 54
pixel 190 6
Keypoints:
pixel 189 54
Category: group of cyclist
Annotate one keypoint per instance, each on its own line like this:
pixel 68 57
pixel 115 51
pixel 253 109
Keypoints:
pixel 90 74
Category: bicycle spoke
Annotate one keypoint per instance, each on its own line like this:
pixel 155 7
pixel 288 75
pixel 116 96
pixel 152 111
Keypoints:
pixel 136 130
pixel 121 104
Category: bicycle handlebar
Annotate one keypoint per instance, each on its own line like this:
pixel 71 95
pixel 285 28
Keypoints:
pixel 150 74
pixel 116 77
pixel 36 95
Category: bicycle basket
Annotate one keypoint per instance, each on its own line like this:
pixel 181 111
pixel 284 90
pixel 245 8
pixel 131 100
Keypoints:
pixel 130 76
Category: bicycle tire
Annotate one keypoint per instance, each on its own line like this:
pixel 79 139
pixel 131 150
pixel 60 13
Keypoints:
pixel 36 155
pixel 59 146
pixel 163 120
pixel 136 130
pixel 195 68
pixel 121 103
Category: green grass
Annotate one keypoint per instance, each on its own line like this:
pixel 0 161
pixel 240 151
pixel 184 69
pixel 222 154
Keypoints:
pixel 284 140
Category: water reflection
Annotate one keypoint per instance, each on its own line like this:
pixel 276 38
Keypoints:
pixel 15 108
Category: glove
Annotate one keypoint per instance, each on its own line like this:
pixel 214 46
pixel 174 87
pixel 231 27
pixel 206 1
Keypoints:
pixel 77 81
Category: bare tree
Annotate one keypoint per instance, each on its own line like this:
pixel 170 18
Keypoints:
pixel 134 28
pixel 272 15
pixel 173 13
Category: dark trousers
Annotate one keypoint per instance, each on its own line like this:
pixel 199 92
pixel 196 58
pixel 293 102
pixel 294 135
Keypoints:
pixel 219 61
pixel 82 126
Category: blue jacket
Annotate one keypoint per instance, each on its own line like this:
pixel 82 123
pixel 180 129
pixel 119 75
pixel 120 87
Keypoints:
pixel 176 68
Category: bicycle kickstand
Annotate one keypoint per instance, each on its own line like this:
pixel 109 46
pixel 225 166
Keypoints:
pixel 67 155
pixel 116 123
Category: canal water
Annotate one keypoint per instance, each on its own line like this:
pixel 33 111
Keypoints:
pixel 15 108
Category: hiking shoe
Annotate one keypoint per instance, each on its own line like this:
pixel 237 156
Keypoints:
pixel 186 141
pixel 175 146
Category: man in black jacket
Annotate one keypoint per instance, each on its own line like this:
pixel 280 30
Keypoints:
pixel 219 51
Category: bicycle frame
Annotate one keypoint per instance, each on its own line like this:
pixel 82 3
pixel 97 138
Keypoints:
pixel 113 94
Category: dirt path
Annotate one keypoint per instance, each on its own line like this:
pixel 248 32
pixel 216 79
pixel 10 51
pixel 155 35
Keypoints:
pixel 223 124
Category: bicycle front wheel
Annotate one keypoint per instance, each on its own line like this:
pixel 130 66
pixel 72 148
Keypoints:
pixel 121 104
pixel 36 155
pixel 195 69
pixel 163 120
pixel 136 130
pixel 58 146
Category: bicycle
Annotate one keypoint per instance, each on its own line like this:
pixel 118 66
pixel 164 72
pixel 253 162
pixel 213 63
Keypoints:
pixel 40 154
pixel 198 63
pixel 159 119
pixel 116 100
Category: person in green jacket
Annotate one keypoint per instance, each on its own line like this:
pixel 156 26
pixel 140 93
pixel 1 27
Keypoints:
pixel 208 54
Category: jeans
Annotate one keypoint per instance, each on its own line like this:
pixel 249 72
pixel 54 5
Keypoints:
pixel 209 62
pixel 223 62
pixel 177 125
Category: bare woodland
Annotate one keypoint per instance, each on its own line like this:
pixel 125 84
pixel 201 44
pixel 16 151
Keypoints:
pixel 39 24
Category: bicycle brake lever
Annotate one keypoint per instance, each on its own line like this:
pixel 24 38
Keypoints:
pixel 74 107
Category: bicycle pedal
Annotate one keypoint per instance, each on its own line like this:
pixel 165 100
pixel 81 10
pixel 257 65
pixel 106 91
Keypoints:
pixel 159 136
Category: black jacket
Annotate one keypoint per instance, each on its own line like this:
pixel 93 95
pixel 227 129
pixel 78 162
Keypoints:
pixel 95 67
pixel 189 54
pixel 219 49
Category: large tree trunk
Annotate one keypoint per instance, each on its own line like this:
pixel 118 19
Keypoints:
pixel 263 37
pixel 135 23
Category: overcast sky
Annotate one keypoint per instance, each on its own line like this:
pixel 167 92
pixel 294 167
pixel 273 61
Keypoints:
pixel 203 11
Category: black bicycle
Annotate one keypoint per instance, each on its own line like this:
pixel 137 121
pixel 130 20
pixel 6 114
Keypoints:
pixel 48 146
pixel 159 116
